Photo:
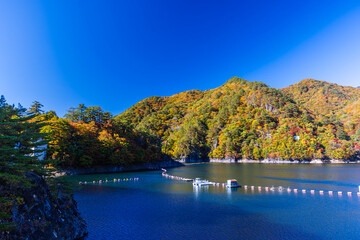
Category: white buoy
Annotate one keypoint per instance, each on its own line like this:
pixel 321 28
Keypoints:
pixel 358 194
pixel 321 192
pixel 304 190
pixel 266 188
pixel 330 192
pixel 349 194
pixel 259 188
pixel 295 190
pixel 339 192
pixel 312 191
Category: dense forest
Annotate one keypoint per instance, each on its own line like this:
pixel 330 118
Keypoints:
pixel 89 136
pixel 249 120
pixel 238 120
pixel 330 104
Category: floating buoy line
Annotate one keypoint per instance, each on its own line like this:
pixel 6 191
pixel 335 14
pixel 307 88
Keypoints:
pixel 247 188
pixel 164 174
pixel 261 189
pixel 108 181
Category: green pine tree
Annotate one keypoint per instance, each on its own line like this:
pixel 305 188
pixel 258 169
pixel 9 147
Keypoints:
pixel 19 138
pixel 76 114
pixel 36 108
pixel 88 114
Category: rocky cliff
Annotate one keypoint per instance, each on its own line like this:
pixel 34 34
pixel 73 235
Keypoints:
pixel 41 215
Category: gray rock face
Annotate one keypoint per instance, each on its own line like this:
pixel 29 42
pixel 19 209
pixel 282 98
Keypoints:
pixel 225 160
pixel 280 161
pixel 42 216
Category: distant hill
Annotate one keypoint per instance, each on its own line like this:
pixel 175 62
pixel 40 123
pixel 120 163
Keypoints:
pixel 323 98
pixel 243 119
pixel 330 103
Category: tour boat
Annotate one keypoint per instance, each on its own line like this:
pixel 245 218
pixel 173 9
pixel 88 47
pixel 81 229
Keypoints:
pixel 188 179
pixel 232 183
pixel 200 182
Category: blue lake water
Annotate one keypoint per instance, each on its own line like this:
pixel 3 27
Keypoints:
pixel 159 208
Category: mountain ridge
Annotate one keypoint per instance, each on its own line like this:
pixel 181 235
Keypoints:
pixel 308 91
pixel 243 119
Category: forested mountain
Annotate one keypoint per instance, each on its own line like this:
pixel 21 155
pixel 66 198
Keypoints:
pixel 243 119
pixel 238 120
pixel 323 98
pixel 330 103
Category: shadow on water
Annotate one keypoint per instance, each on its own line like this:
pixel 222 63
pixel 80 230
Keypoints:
pixel 114 213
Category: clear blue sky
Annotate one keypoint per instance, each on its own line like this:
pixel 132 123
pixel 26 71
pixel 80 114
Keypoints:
pixel 116 53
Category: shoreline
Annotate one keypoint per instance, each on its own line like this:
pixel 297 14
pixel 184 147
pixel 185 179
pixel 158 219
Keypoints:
pixel 270 161
pixel 274 161
pixel 119 169
pixel 180 163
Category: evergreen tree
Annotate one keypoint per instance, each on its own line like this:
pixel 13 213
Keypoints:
pixel 96 114
pixel 88 114
pixel 36 108
pixel 76 114
pixel 19 138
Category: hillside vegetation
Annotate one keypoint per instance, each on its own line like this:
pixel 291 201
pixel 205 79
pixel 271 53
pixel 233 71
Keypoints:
pixel 250 120
pixel 330 103
pixel 238 120
pixel 323 98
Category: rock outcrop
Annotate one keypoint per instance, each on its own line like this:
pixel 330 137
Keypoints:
pixel 41 215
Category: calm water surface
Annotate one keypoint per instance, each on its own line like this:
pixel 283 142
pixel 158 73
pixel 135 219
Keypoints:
pixel 160 208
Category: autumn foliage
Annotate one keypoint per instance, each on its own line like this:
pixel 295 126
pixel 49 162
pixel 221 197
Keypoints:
pixel 99 141
pixel 242 119
pixel 238 120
